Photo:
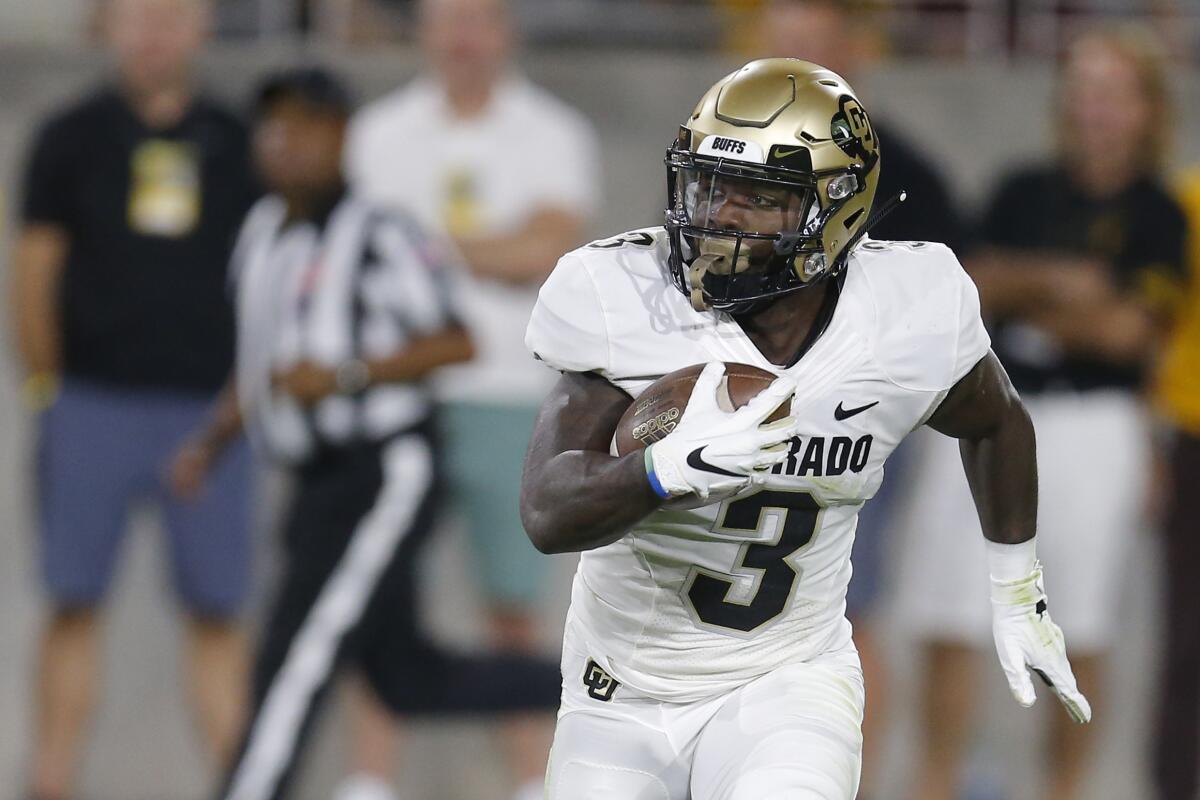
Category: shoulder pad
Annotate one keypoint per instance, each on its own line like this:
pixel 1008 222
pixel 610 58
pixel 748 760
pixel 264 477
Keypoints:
pixel 928 331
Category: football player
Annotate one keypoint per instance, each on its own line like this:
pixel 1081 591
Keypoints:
pixel 706 652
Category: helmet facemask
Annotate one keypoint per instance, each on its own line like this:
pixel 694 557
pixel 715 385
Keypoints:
pixel 744 233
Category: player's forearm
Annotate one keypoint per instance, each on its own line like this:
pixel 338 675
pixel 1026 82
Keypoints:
pixel 421 357
pixel 582 499
pixel 1001 469
pixel 984 412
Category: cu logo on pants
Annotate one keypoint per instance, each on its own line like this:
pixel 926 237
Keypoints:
pixel 600 684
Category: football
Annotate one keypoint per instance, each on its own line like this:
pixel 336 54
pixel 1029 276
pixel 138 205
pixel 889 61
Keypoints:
pixel 658 409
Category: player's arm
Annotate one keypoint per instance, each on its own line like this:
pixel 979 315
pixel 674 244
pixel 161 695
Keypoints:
pixel 996 437
pixel 998 450
pixel 574 495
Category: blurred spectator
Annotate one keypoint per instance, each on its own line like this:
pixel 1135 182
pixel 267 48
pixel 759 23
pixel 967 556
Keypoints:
pixel 1177 734
pixel 828 32
pixel 476 150
pixel 1079 256
pixel 132 199
pixel 343 310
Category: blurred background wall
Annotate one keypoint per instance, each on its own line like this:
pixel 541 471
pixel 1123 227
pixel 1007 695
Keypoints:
pixel 969 80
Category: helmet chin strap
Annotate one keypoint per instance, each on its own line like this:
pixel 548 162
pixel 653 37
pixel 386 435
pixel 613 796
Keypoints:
pixel 718 256
pixel 700 266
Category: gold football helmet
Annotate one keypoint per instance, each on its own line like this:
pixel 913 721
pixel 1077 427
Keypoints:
pixel 769 184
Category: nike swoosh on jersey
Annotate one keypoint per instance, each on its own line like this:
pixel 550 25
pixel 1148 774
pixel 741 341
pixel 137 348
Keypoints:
pixel 840 413
pixel 695 461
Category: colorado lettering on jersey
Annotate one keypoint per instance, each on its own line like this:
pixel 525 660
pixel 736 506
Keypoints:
pixel 820 457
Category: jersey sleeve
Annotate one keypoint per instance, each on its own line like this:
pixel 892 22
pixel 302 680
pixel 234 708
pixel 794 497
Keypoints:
pixel 973 341
pixel 567 329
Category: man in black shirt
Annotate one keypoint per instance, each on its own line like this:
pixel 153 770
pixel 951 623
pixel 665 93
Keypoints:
pixel 132 199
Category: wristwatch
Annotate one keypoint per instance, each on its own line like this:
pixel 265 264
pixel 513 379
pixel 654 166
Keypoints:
pixel 352 376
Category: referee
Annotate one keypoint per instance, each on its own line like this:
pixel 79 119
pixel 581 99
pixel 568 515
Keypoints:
pixel 342 310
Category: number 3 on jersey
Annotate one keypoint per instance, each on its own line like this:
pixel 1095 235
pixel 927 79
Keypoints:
pixel 794 516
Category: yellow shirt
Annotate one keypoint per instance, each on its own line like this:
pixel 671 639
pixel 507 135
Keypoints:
pixel 1178 393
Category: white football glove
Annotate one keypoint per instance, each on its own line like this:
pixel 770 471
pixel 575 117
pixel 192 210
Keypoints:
pixel 714 451
pixel 1027 639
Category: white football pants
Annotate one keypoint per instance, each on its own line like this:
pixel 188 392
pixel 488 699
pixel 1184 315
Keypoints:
pixel 793 734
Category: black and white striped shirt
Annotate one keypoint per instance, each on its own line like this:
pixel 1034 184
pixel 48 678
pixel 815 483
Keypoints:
pixel 358 284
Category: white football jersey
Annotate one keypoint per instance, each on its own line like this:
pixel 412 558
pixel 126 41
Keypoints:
pixel 691 603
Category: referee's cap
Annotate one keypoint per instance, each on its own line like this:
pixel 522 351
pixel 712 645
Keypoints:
pixel 316 86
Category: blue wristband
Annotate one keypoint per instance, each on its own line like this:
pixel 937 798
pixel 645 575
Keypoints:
pixel 654 484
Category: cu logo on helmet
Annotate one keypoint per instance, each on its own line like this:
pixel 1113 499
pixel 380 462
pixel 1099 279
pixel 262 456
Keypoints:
pixel 860 126
pixel 852 131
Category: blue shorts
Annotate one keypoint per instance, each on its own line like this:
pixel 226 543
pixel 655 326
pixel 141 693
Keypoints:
pixel 104 450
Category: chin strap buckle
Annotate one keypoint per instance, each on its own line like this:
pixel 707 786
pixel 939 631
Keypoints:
pixel 700 267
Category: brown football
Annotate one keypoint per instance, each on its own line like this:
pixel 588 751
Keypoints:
pixel 658 409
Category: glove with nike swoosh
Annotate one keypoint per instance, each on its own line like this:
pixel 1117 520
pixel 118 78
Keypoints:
pixel 713 451
pixel 1026 638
